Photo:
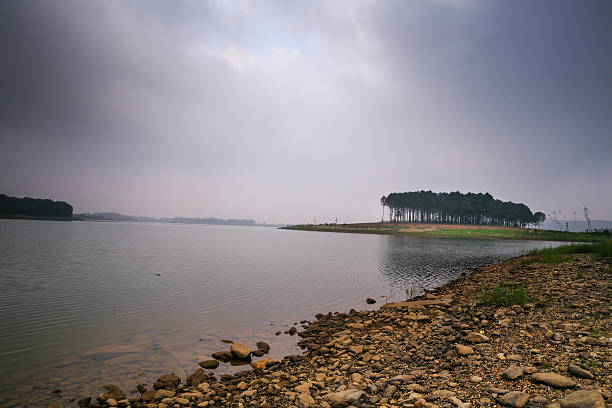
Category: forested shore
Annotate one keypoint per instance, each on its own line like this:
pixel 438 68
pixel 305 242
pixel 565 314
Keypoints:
pixel 34 208
pixel 458 208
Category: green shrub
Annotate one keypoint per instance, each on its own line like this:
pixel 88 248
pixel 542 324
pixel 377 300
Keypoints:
pixel 505 294
pixel 605 248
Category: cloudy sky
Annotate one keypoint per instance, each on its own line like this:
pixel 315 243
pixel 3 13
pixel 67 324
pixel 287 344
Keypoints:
pixel 287 111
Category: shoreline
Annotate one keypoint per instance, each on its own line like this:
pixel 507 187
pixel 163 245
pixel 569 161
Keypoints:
pixel 443 349
pixel 452 231
pixel 37 217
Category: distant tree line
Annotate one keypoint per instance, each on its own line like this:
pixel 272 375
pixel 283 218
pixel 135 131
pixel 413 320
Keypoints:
pixel 457 208
pixel 113 216
pixel 35 207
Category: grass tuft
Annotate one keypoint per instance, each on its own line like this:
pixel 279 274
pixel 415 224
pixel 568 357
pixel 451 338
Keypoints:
pixel 505 294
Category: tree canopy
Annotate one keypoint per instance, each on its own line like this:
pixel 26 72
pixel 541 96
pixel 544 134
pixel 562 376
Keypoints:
pixel 34 207
pixel 456 208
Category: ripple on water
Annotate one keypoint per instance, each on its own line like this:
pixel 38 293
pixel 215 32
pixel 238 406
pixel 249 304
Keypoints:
pixel 81 305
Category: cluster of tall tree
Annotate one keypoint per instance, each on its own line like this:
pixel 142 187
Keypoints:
pixel 34 207
pixel 457 208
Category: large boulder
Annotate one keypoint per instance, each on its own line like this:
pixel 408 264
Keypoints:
pixel 240 350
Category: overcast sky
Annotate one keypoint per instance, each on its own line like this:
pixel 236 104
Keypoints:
pixel 287 111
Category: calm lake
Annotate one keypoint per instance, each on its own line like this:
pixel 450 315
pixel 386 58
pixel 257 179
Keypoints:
pixel 83 304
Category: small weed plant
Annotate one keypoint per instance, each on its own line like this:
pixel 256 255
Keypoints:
pixel 412 291
pixel 504 294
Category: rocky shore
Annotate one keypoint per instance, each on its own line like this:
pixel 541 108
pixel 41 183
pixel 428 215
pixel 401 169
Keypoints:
pixel 445 349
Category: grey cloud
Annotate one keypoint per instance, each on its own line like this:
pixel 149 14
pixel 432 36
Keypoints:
pixel 287 111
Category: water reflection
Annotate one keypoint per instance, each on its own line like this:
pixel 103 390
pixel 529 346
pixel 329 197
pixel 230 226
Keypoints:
pixel 409 265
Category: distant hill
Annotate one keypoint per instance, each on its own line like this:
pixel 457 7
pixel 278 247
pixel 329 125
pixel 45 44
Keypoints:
pixel 26 207
pixel 112 216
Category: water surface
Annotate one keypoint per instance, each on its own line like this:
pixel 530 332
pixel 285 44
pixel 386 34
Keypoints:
pixel 86 303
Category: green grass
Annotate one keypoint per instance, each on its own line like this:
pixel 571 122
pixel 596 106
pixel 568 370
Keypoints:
pixel 466 231
pixel 505 294
pixel 562 253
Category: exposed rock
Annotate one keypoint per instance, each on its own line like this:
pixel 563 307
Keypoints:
pixel 114 390
pixel 497 390
pixel 554 380
pixel 196 377
pixel 85 402
pixel 474 337
pixel 464 350
pixel 303 388
pixel 580 372
pixel 356 349
pixel 263 346
pixel 161 394
pixel 305 401
pixel 370 301
pixel 167 382
pixel 224 356
pixel 209 364
pixel 512 373
pixel 240 350
pixel 148 395
pixel 390 391
pixel 515 399
pixel 538 400
pixel 583 399
pixel 264 363
pixel 346 396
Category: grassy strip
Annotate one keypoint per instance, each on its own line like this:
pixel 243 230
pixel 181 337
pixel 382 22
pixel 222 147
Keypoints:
pixel 560 254
pixel 467 232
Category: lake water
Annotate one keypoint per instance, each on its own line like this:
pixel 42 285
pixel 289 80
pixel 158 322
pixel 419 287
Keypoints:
pixel 87 303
